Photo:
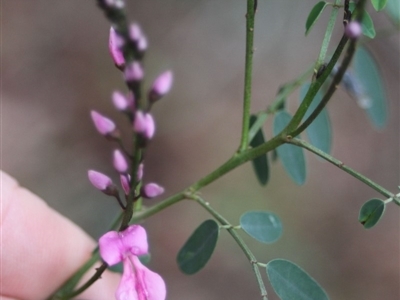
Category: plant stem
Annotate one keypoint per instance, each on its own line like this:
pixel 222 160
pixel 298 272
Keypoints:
pixel 248 74
pixel 232 231
pixel 341 165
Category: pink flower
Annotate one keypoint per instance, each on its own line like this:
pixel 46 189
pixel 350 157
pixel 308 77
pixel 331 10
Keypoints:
pixel 103 125
pixel 140 172
pixel 115 43
pixel 161 86
pixel 152 190
pixel 144 124
pixel 137 281
pixel 119 161
pixel 99 180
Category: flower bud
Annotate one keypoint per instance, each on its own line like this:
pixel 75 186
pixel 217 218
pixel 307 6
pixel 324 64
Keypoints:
pixel 353 30
pixel 125 183
pixel 133 72
pixel 115 44
pixel 120 102
pixel 151 190
pixel 119 161
pixel 144 124
pixel 140 172
pixel 118 4
pixel 103 125
pixel 142 43
pixel 161 86
pixel 102 182
pixel 135 32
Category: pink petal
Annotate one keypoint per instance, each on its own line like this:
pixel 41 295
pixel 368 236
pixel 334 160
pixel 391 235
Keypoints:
pixel 163 83
pixel 103 125
pixel 111 248
pixel 133 72
pixel 152 190
pixel 134 240
pixel 119 161
pixel 125 183
pixel 139 283
pixel 120 101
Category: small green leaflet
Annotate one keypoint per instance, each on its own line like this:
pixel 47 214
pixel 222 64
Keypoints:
pixel 319 132
pixel 371 212
pixel 264 226
pixel 260 164
pixel 379 4
pixel 292 157
pixel 314 15
pixel 198 249
pixel 367 72
pixel 291 282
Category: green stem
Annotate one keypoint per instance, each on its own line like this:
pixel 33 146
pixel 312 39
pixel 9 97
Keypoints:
pixel 341 165
pixel 232 231
pixel 248 74
pixel 328 35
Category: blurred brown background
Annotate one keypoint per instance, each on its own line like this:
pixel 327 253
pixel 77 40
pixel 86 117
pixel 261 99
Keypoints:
pixel 56 68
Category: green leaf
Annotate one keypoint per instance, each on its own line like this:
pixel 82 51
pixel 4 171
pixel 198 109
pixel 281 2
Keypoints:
pixel 367 25
pixel 292 157
pixel 367 72
pixel 198 249
pixel 314 15
pixel 260 164
pixel 265 227
pixel 393 9
pixel 379 4
pixel 319 131
pixel 371 212
pixel 291 282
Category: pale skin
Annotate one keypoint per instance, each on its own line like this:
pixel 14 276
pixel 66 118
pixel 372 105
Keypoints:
pixel 40 248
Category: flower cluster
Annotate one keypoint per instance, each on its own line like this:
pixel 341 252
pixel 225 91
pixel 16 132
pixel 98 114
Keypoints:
pixel 127 245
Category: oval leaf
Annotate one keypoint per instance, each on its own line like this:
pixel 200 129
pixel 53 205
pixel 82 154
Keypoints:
pixel 291 282
pixel 315 13
pixel 393 9
pixel 379 4
pixel 198 249
pixel 260 164
pixel 371 212
pixel 292 157
pixel 265 227
pixel 319 132
pixel 367 73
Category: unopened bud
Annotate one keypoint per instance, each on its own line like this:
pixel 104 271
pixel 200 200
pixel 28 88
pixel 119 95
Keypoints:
pixel 102 182
pixel 103 125
pixel 142 43
pixel 353 30
pixel 140 172
pixel 120 101
pixel 161 86
pixel 144 124
pixel 135 32
pixel 115 44
pixel 119 161
pixel 133 72
pixel 115 3
pixel 151 190
pixel 125 183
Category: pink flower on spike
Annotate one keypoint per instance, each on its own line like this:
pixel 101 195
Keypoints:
pixel 133 72
pixel 161 86
pixel 137 281
pixel 119 161
pixel 353 30
pixel 115 44
pixel 125 183
pixel 144 124
pixel 103 125
pixel 152 190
